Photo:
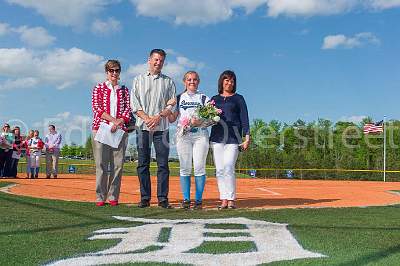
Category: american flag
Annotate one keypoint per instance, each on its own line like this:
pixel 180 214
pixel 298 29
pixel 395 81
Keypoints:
pixel 373 127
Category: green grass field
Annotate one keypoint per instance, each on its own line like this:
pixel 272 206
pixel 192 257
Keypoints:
pixel 36 231
pixel 87 167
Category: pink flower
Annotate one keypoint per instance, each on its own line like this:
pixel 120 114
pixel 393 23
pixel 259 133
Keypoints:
pixel 184 121
pixel 212 102
pixel 219 111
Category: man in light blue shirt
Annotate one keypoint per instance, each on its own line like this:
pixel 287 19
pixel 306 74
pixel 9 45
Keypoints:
pixel 52 142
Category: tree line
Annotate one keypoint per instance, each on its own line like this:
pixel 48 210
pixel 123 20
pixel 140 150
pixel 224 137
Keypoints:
pixel 74 150
pixel 321 144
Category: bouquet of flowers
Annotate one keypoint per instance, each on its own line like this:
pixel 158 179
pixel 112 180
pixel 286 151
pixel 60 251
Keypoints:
pixel 184 126
pixel 209 114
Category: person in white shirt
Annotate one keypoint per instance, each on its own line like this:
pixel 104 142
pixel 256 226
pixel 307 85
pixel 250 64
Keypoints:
pixel 52 142
pixel 192 145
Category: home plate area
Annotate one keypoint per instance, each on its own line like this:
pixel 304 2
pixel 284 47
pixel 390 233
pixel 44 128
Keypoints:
pixel 183 241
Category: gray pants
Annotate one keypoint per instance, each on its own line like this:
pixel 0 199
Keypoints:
pixel 109 164
pixel 52 162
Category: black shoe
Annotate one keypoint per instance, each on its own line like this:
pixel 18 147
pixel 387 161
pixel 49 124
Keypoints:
pixel 164 204
pixel 185 204
pixel 54 176
pixel 32 176
pixel 144 204
pixel 198 205
pixel 47 176
pixel 36 175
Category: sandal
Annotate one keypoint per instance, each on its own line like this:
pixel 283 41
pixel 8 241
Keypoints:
pixel 231 204
pixel 224 205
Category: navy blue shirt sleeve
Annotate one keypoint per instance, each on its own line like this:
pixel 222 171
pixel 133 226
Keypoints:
pixel 244 116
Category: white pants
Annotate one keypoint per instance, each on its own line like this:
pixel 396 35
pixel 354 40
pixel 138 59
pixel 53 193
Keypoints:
pixel 35 159
pixel 193 147
pixel 225 156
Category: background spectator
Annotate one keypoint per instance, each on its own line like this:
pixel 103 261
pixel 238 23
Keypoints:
pixel 35 146
pixel 6 150
pixel 27 152
pixel 16 153
pixel 52 143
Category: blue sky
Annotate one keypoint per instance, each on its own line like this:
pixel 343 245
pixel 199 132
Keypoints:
pixel 307 59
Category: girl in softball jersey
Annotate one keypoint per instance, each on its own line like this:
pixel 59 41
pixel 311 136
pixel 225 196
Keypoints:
pixel 35 146
pixel 193 145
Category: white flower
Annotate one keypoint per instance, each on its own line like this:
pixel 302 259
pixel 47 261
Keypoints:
pixel 216 119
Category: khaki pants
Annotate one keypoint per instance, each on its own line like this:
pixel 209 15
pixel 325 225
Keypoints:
pixel 52 162
pixel 109 164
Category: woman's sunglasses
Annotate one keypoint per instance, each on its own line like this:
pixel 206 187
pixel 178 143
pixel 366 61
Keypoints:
pixel 116 70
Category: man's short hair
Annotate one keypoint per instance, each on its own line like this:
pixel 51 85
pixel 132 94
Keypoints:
pixel 158 51
pixel 53 126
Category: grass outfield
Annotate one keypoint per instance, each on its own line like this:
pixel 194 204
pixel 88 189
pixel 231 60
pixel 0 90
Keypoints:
pixel 36 231
pixel 87 167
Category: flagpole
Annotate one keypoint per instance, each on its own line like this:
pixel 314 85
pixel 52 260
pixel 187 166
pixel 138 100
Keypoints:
pixel 384 149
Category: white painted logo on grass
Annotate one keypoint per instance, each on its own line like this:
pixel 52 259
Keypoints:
pixel 272 242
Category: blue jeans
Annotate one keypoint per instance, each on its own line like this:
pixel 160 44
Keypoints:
pixel 14 167
pixel 160 139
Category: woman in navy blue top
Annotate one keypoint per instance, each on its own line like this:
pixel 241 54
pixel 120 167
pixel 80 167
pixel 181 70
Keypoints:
pixel 226 136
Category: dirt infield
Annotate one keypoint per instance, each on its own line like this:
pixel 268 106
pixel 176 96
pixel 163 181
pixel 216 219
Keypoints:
pixel 251 193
